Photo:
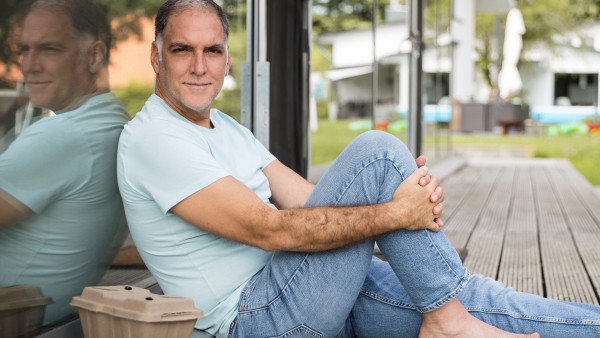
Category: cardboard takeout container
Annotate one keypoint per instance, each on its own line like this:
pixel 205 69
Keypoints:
pixel 128 311
pixel 21 310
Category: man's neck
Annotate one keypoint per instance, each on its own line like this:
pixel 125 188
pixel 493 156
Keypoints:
pixel 81 100
pixel 201 119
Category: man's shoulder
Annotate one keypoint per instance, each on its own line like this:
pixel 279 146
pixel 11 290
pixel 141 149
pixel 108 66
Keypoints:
pixel 108 102
pixel 154 111
pixel 94 114
pixel 216 113
pixel 227 122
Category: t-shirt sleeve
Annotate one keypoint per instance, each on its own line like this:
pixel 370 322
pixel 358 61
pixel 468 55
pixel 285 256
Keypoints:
pixel 43 164
pixel 171 165
pixel 265 155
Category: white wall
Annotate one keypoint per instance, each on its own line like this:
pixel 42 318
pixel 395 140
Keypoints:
pixel 355 48
pixel 463 35
pixel 538 84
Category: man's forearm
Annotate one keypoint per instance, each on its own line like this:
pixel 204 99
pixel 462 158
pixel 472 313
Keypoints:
pixel 325 228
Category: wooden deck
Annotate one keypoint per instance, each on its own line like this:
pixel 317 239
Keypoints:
pixel 533 224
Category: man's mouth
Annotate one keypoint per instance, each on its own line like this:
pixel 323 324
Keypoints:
pixel 197 84
pixel 37 83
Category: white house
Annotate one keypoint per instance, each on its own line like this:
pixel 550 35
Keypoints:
pixel 559 84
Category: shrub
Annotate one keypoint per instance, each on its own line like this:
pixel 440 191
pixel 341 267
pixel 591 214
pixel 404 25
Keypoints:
pixel 134 96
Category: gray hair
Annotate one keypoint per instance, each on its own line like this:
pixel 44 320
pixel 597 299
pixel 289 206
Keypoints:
pixel 171 7
pixel 87 18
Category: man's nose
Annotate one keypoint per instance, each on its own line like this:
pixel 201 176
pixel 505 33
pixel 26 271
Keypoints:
pixel 198 65
pixel 30 62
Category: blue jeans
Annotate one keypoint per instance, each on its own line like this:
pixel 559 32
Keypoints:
pixel 348 293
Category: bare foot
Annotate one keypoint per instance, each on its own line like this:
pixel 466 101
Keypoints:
pixel 453 320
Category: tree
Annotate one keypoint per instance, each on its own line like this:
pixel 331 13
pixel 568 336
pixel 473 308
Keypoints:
pixel 339 15
pixel 546 21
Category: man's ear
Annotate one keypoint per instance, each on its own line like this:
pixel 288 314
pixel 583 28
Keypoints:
pixel 154 57
pixel 98 56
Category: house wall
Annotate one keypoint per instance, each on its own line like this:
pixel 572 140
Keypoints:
pixel 355 48
pixel 130 60
pixel 538 84
pixel 463 34
pixel 353 94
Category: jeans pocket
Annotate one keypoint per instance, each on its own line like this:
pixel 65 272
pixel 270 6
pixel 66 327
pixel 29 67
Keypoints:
pixel 300 331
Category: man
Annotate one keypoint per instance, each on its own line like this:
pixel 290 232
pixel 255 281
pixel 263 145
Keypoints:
pixel 60 209
pixel 266 254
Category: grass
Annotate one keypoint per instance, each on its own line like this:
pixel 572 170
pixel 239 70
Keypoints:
pixel 582 150
pixel 330 139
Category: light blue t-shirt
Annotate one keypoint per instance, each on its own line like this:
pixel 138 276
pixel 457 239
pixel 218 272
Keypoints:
pixel 63 168
pixel 163 158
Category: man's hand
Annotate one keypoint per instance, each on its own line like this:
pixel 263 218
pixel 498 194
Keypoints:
pixel 438 194
pixel 421 213
pixel 11 210
pixel 421 161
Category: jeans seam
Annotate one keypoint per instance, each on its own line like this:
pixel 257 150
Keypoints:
pixel 545 319
pixel 441 255
pixel 248 290
pixel 386 300
pixel 363 167
pixel 279 295
pixel 449 296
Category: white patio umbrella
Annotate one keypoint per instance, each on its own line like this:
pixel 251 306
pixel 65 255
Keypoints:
pixel 509 80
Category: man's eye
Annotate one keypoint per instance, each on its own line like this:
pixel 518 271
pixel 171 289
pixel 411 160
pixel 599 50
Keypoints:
pixel 179 50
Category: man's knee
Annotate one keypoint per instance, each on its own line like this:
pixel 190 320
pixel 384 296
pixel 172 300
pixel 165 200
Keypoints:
pixel 377 139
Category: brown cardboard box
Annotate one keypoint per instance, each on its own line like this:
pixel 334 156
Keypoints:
pixel 21 310
pixel 131 312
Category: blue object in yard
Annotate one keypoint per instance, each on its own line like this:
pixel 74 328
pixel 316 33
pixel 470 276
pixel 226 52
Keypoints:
pixel 431 112
pixel 561 114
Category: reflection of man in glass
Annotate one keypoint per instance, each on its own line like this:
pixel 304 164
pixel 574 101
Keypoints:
pixel 59 204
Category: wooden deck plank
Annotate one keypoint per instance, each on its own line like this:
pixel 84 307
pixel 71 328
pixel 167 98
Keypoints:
pixel 591 201
pixel 520 265
pixel 584 228
pixel 564 274
pixel 456 189
pixel 485 242
pixel 458 228
pixel 532 224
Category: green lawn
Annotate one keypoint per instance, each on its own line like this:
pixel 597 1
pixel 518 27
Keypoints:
pixel 582 150
pixel 330 139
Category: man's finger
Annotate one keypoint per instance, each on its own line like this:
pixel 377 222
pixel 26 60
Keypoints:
pixel 438 210
pixel 436 225
pixel 437 195
pixel 418 174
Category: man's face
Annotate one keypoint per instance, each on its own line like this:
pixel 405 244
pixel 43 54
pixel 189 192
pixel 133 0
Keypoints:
pixel 194 61
pixel 51 61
